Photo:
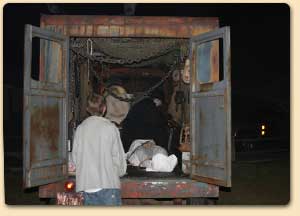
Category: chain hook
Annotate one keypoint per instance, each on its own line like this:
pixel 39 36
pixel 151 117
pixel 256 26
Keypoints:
pixel 89 49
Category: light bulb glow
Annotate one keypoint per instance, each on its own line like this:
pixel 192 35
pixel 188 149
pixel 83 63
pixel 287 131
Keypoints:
pixel 69 186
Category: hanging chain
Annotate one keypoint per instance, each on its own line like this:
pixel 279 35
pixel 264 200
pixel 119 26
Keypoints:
pixel 154 87
pixel 153 54
pixel 105 58
pixel 147 93
pixel 72 84
pixel 89 48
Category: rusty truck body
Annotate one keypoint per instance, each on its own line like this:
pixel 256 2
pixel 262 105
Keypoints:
pixel 49 88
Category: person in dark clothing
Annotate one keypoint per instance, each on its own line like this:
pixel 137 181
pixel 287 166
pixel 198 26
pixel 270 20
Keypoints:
pixel 145 120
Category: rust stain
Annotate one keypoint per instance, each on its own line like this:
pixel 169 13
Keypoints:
pixel 89 30
pixel 139 30
pixel 199 29
pixel 141 189
pixel 133 20
pixel 44 132
pixel 209 180
pixel 42 63
pixel 214 61
pixel 168 31
pixel 129 30
pixel 131 26
pixel 152 30
pixel 114 31
pixel 82 30
pixel 117 20
pixel 74 29
pixel 207 86
pixel 183 31
pixel 171 189
pixel 94 19
pixel 102 30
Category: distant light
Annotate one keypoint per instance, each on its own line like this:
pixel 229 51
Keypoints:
pixel 263 133
pixel 263 127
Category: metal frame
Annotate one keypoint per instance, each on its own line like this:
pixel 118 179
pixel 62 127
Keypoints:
pixel 77 20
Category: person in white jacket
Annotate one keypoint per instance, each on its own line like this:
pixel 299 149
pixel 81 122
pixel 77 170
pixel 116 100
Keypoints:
pixel 98 156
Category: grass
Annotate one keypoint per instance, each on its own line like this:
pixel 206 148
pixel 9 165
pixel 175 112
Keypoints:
pixel 258 183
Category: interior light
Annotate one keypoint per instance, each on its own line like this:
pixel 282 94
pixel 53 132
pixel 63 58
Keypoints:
pixel 263 133
pixel 263 127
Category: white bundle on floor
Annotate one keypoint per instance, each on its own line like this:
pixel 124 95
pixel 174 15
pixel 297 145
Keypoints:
pixel 162 163
pixel 145 153
pixel 141 152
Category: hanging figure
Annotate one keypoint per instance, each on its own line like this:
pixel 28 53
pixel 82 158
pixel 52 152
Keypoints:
pixel 145 120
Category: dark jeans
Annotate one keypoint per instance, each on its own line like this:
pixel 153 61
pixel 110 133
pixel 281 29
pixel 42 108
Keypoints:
pixel 103 197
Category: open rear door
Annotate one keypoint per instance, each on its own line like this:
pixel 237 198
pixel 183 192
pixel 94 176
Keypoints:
pixel 210 96
pixel 45 107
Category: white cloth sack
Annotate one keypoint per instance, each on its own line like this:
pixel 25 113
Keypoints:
pixel 155 159
pixel 139 155
pixel 162 163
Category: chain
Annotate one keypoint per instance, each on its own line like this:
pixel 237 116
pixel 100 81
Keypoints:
pixel 151 89
pixel 130 61
pixel 72 84
pixel 145 94
pixel 135 100
pixel 72 95
pixel 104 57
pixel 89 49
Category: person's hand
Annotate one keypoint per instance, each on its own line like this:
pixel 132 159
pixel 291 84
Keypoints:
pixel 184 147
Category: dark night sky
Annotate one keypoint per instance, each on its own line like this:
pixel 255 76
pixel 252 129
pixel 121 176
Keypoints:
pixel 260 47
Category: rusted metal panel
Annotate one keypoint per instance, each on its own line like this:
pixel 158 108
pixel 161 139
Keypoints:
pixel 208 62
pixel 51 67
pixel 122 26
pixel 101 30
pixel 166 188
pixel 45 128
pixel 141 187
pixel 211 108
pixel 44 144
pixel 51 190
pixel 123 20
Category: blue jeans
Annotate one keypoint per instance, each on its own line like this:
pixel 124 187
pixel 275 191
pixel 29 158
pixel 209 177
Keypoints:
pixel 103 197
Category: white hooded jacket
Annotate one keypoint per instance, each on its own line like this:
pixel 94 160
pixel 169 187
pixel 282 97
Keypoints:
pixel 98 155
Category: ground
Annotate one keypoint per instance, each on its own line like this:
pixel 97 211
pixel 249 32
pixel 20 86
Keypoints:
pixel 258 183
pixel 258 178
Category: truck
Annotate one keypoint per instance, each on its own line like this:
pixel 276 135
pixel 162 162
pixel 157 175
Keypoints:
pixel 69 55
